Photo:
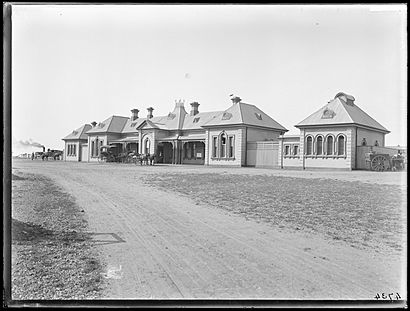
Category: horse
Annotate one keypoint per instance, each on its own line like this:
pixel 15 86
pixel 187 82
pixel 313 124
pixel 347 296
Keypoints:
pixel 147 159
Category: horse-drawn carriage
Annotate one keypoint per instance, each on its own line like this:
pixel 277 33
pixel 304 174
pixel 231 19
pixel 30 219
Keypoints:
pixel 381 162
pixel 108 154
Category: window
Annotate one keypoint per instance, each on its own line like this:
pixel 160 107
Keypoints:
pixel 231 147
pixel 295 150
pixel 319 145
pixel 74 150
pixel 146 146
pixel 196 120
pixel 215 147
pixel 309 145
pixel 92 149
pixel 223 145
pixel 287 148
pixel 341 145
pixel 329 148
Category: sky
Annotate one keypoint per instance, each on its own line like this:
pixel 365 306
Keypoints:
pixel 74 64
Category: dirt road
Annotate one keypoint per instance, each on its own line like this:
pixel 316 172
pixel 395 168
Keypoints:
pixel 161 245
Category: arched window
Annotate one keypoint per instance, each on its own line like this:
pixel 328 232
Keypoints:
pixel 223 145
pixel 146 146
pixel 329 146
pixel 341 145
pixel 309 145
pixel 319 145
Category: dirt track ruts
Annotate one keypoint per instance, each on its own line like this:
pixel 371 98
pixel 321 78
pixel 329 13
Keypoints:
pixel 161 245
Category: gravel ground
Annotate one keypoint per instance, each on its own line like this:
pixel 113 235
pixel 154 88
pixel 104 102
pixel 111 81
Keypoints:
pixel 52 254
pixel 366 216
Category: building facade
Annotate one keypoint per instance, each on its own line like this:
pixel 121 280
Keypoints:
pixel 336 136
pixel 332 137
pixel 204 138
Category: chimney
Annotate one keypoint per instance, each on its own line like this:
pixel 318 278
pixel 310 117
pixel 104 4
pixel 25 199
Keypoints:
pixel 235 99
pixel 194 108
pixel 150 109
pixel 134 115
pixel 93 123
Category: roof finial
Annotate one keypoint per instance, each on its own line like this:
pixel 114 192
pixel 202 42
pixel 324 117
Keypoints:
pixel 235 99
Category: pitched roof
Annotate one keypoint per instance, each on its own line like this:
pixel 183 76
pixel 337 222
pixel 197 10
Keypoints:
pixel 196 121
pixel 341 110
pixel 246 114
pixel 113 124
pixel 131 126
pixel 78 133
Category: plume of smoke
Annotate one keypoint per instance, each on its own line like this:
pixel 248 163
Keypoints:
pixel 30 142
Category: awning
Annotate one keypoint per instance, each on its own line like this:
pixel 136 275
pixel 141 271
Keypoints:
pixel 131 139
pixel 169 138
pixel 192 137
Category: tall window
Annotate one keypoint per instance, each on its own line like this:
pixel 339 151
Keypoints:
pixel 329 150
pixel 146 146
pixel 309 145
pixel 92 149
pixel 341 145
pixel 287 148
pixel 231 148
pixel 215 147
pixel 223 145
pixel 295 150
pixel 319 145
pixel 74 151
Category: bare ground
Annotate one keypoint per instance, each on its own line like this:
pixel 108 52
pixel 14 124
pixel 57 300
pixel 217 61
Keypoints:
pixel 52 253
pixel 159 244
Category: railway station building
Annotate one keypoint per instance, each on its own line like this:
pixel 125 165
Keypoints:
pixel 337 136
pixel 209 138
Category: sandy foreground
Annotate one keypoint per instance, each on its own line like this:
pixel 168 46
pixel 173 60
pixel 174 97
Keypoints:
pixel 156 244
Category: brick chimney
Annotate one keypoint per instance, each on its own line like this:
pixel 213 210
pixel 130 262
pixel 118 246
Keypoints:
pixel 134 115
pixel 93 123
pixel 150 109
pixel 194 108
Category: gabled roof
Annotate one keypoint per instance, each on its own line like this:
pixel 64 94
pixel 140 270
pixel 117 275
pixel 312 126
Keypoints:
pixel 341 110
pixel 113 124
pixel 78 133
pixel 244 114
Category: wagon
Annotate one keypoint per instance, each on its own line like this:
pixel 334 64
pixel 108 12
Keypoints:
pixel 381 162
pixel 106 154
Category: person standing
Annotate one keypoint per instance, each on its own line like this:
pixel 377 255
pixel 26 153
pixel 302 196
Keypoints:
pixel 32 156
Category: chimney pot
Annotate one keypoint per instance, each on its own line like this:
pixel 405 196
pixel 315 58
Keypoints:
pixel 194 108
pixel 150 109
pixel 93 123
pixel 134 115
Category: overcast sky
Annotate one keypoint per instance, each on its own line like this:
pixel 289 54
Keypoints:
pixel 76 64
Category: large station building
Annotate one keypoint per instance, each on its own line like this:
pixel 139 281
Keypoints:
pixel 336 136
pixel 210 138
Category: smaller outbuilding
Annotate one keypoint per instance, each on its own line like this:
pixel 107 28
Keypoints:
pixel 332 136
pixel 76 146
